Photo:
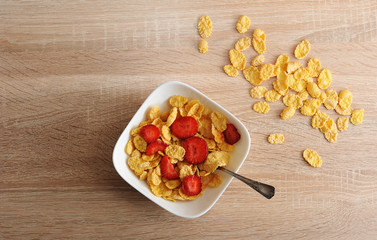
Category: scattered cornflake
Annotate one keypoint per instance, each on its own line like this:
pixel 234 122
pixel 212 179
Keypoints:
pixel 357 116
pixel 345 99
pixel 298 85
pixel 129 147
pixel 302 74
pixel 203 46
pixel 257 60
pixel 319 119
pixel 205 26
pixel 139 143
pixel 266 71
pixel 312 158
pixel 251 74
pixel 178 101
pixel 332 99
pixel 261 107
pixel 230 70
pixel 313 90
pixel 322 97
pixel 342 123
pixel 341 111
pixel 292 100
pixel 154 113
pixel 172 116
pixel 175 151
pixel 302 49
pixel 328 125
pixel 258 92
pixel 324 79
pixel 282 62
pixel 314 66
pixel 243 24
pixel 293 66
pixel 331 135
pixel 287 113
pixel 276 138
pixel 243 44
pixel 237 59
pixel 259 41
pixel 303 95
pixel 272 96
pixel 310 107
pixel 218 120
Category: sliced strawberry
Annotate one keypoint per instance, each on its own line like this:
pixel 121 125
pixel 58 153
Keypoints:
pixel 154 147
pixel 192 185
pixel 167 168
pixel 150 133
pixel 184 127
pixel 196 150
pixel 231 134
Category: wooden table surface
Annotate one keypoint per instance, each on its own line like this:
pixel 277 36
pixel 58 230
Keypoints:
pixel 73 73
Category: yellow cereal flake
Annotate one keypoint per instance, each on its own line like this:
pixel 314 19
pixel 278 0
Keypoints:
pixel 324 79
pixel 218 120
pixel 193 110
pixel 230 70
pixel 287 113
pixel 251 74
pixel 243 24
pixel 172 116
pixel 186 169
pixel 313 89
pixel 302 74
pixel 292 100
pixel 139 143
pixel 205 128
pixel 214 160
pixel 322 97
pixel 261 107
pixel 281 86
pixel 175 151
pixel 310 107
pixel 319 119
pixel 218 136
pixel 345 99
pixel 342 111
pixel 276 138
pixel 134 164
pixel 243 44
pixel 258 92
pixel 237 59
pixel 154 113
pixel 328 126
pixel 257 60
pixel 303 95
pixel 205 26
pixel 160 190
pixel 129 147
pixel 272 96
pixel 226 147
pixel 331 135
pixel 312 158
pixel 266 71
pixel 357 116
pixel 203 46
pixel 302 49
pixel 259 39
pixel 172 184
pixel 314 66
pixel 298 85
pixel 342 123
pixel 165 133
pixel 293 66
pixel 282 62
pixel 215 181
pixel 178 101
pixel 331 100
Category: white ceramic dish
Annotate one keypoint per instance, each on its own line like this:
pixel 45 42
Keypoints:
pixel 160 96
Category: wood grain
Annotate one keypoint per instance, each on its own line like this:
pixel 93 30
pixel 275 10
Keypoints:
pixel 73 73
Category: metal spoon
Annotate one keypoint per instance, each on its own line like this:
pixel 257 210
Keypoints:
pixel 264 189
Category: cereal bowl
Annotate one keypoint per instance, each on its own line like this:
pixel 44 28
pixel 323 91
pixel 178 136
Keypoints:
pixel 159 97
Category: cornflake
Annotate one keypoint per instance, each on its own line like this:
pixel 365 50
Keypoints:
pixel 312 158
pixel 303 95
pixel 218 120
pixel 313 89
pixel 243 24
pixel 129 147
pixel 319 119
pixel 314 66
pixel 292 100
pixel 302 49
pixel 342 111
pixel 251 74
pixel 178 101
pixel 342 123
pixel 293 66
pixel 205 26
pixel 331 100
pixel 259 39
pixel 298 85
pixel 357 116
pixel 154 113
pixel 345 99
pixel 282 62
pixel 272 96
pixel 172 116
pixel 257 60
pixel 266 71
pixel 243 44
pixel 203 46
pixel 287 113
pixel 324 79
pixel 261 107
pixel 139 143
pixel 230 70
pixel 276 138
pixel 258 92
pixel 214 160
pixel 310 107
pixel 237 59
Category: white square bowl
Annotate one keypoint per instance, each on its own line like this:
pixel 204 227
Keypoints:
pixel 160 96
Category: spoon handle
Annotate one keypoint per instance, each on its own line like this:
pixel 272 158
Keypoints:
pixel 266 190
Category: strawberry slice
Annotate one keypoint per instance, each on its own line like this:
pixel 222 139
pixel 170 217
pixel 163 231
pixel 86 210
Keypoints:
pixel 184 127
pixel 192 185
pixel 196 150
pixel 154 147
pixel 231 134
pixel 167 168
pixel 150 133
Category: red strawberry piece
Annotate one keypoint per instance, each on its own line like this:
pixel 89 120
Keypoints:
pixel 184 127
pixel 231 134
pixel 167 168
pixel 154 147
pixel 192 185
pixel 196 150
pixel 150 133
